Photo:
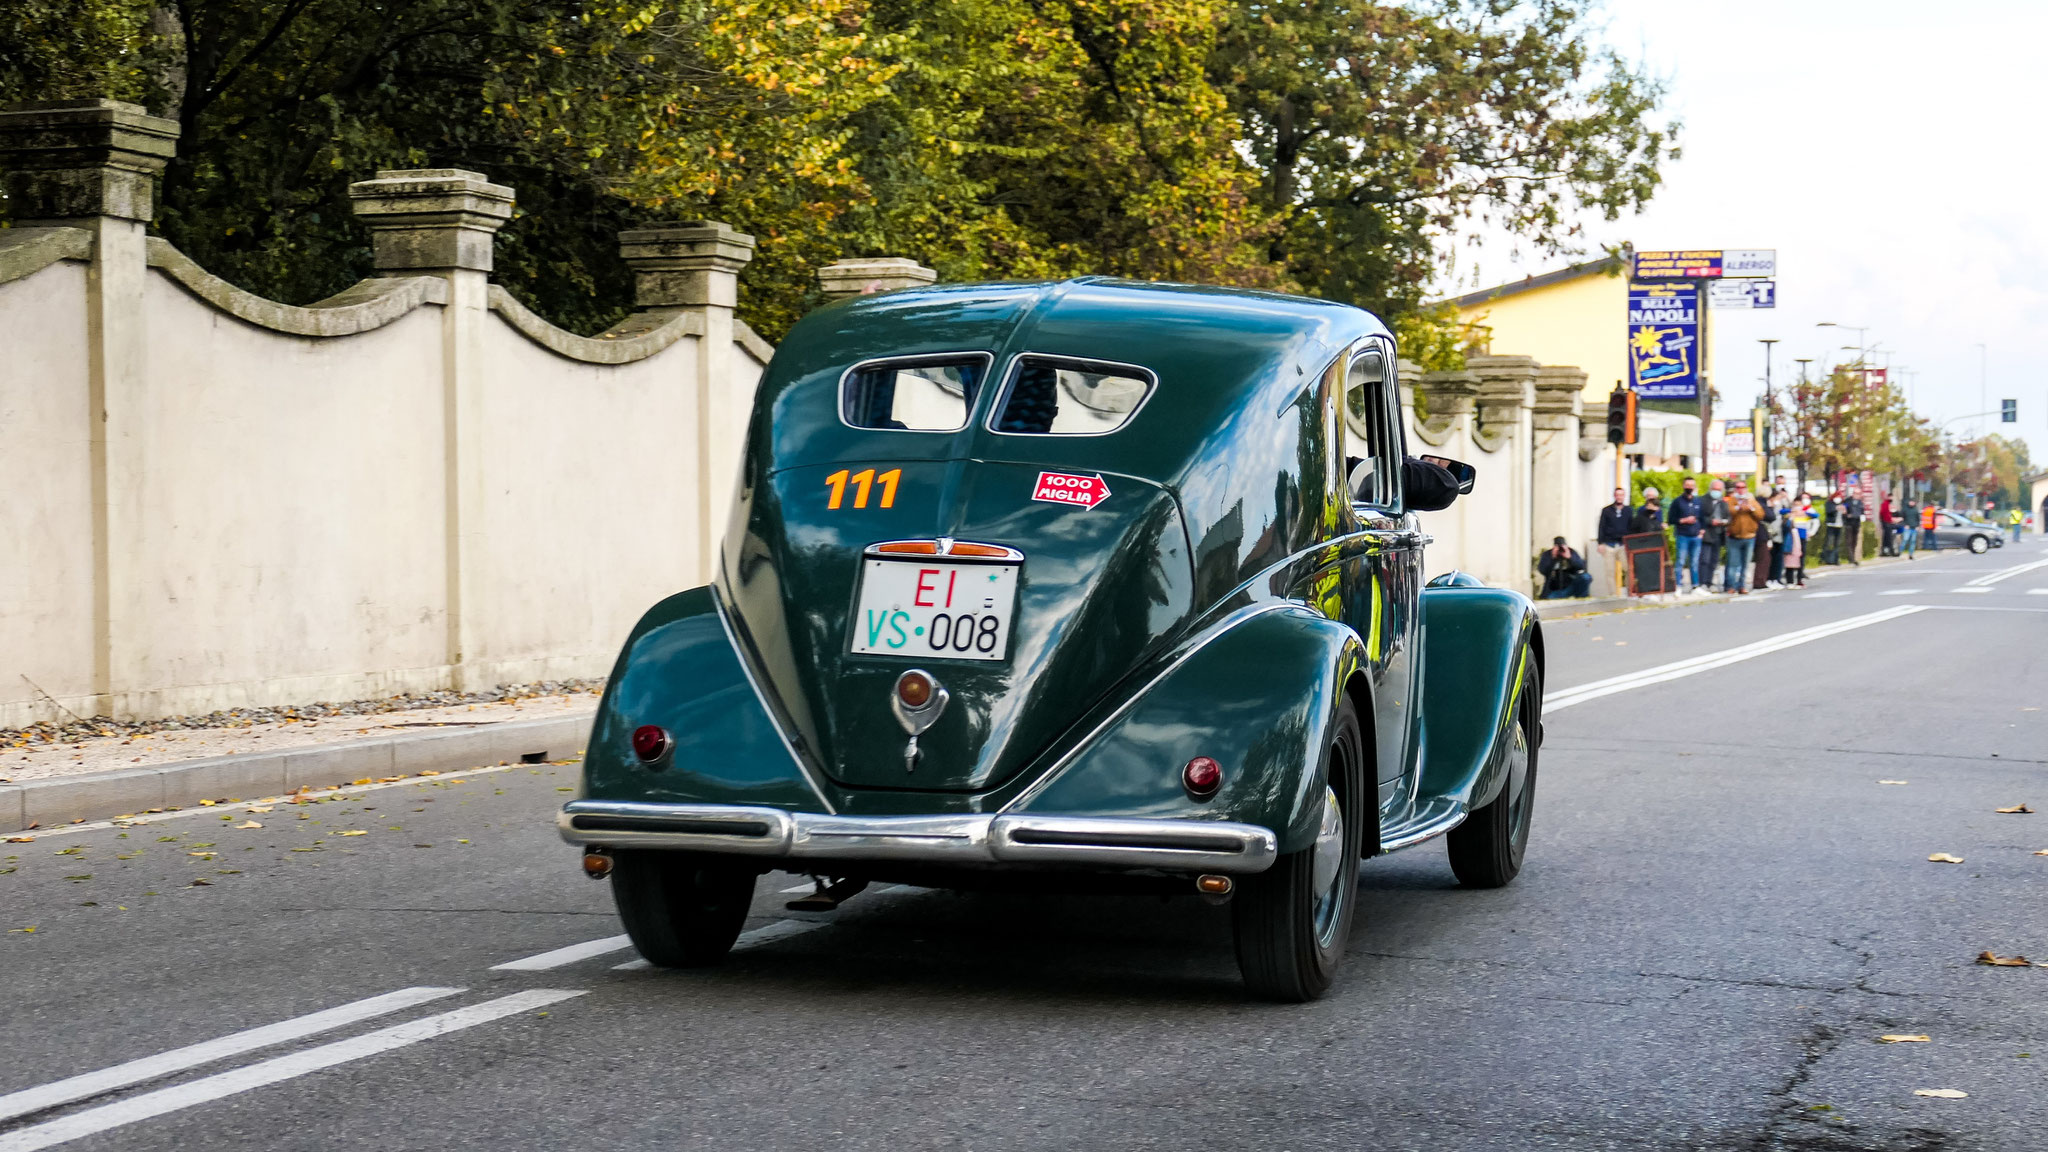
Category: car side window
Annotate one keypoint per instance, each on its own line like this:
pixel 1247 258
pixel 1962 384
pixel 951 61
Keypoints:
pixel 1372 456
pixel 922 394
pixel 1057 396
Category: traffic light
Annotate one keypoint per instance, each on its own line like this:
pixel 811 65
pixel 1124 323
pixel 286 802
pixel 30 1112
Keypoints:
pixel 2009 411
pixel 1621 417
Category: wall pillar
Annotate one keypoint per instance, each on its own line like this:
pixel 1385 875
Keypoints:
pixel 1449 398
pixel 1507 393
pixel 443 222
pixel 696 267
pixel 843 278
pixel 93 166
pixel 1555 493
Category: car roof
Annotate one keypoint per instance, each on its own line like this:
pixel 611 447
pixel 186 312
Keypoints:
pixel 1221 355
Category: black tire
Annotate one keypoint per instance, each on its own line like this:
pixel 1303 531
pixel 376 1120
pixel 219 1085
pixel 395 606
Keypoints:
pixel 1487 849
pixel 682 911
pixel 1979 545
pixel 1291 930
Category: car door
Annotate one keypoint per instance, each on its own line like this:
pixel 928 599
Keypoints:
pixel 1387 546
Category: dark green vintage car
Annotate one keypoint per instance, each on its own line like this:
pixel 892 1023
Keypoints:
pixel 1094 584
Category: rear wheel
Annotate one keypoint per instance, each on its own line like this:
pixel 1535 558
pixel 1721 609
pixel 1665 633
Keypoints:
pixel 1292 920
pixel 682 911
pixel 1980 545
pixel 1487 849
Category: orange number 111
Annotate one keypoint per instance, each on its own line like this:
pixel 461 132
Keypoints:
pixel 862 481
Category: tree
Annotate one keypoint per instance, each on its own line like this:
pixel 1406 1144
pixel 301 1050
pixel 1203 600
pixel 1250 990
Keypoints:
pixel 1988 470
pixel 1382 129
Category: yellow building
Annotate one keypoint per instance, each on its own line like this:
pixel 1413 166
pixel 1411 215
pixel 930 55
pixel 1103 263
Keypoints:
pixel 1574 316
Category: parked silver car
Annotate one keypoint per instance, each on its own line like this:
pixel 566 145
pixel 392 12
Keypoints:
pixel 1956 530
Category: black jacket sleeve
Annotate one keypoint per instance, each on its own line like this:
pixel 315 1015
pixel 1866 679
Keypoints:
pixel 1427 487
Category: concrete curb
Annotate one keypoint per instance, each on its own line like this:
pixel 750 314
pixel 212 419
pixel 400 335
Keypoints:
pixel 100 795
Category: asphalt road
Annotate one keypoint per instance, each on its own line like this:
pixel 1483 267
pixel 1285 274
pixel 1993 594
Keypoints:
pixel 1723 909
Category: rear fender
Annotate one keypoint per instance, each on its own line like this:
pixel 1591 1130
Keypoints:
pixel 1258 695
pixel 1476 643
pixel 680 670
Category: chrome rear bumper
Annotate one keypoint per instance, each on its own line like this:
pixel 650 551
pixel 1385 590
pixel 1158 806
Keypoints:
pixel 968 840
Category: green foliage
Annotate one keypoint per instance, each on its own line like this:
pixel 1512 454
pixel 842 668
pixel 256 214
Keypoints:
pixel 1201 140
pixel 1435 339
pixel 1989 470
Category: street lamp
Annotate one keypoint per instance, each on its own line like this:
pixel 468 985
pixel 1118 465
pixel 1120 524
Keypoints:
pixel 1761 436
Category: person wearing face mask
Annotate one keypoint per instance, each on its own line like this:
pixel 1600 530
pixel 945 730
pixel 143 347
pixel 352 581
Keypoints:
pixel 1713 536
pixel 1650 516
pixel 1746 519
pixel 1687 517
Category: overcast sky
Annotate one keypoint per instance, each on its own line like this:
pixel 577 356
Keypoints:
pixel 1891 153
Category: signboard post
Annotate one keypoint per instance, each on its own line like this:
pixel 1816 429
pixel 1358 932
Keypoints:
pixel 1664 341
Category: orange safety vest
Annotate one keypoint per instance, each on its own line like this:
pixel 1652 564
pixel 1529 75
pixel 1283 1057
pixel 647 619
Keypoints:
pixel 1927 518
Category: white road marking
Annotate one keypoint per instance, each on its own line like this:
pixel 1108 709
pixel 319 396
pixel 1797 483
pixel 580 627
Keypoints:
pixel 778 930
pixel 1900 592
pixel 1822 595
pixel 1968 589
pixel 449 777
pixel 2007 573
pixel 795 888
pixel 90 1084
pixel 273 1071
pixel 2037 591
pixel 561 957
pixel 1579 694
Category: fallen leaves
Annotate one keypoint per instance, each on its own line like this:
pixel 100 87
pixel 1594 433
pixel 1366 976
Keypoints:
pixel 2042 852
pixel 354 832
pixel 21 839
pixel 1996 961
pixel 1944 858
pixel 259 808
pixel 1942 1093
pixel 200 882
pixel 2017 808
pixel 248 824
pixel 1902 1038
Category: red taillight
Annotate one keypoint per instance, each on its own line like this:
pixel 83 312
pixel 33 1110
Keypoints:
pixel 650 742
pixel 1202 776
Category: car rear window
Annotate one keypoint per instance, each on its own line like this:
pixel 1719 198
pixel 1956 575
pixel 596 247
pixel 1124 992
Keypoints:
pixel 922 394
pixel 1056 396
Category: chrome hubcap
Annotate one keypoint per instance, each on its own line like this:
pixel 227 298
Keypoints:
pixel 1328 873
pixel 1518 783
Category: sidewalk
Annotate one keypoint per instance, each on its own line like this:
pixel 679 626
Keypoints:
pixel 46 785
pixel 1554 609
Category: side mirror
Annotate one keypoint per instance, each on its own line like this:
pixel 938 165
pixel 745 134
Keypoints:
pixel 1460 471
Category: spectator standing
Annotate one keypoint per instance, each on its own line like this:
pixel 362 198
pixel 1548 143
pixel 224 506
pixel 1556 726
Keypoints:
pixel 1776 505
pixel 1792 533
pixel 1713 535
pixel 1564 572
pixel 1649 517
pixel 1687 517
pixel 2015 520
pixel 1852 527
pixel 1745 519
pixel 1929 517
pixel 1614 522
pixel 1887 528
pixel 1831 551
pixel 1909 527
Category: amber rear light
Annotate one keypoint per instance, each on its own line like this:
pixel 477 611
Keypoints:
pixel 960 549
pixel 914 689
pixel 909 548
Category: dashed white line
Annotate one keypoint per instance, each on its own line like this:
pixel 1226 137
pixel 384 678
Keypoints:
pixel 1822 595
pixel 2037 591
pixel 2008 573
pixel 1900 592
pixel 275 1070
pixel 1968 590
pixel 778 930
pixel 561 957
pixel 193 1055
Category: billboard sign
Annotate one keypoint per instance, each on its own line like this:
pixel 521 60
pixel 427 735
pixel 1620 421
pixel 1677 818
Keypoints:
pixel 1694 264
pixel 1664 341
pixel 1743 294
pixel 1731 447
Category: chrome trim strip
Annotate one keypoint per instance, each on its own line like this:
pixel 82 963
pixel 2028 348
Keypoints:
pixel 1087 740
pixel 739 653
pixel 970 840
pixel 1429 828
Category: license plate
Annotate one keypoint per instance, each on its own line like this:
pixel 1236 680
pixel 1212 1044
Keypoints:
pixel 934 608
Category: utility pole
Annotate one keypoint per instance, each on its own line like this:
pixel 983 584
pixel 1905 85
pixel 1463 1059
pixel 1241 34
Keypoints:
pixel 1760 425
pixel 1983 391
pixel 1802 362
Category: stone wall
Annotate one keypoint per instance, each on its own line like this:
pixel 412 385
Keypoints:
pixel 209 499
